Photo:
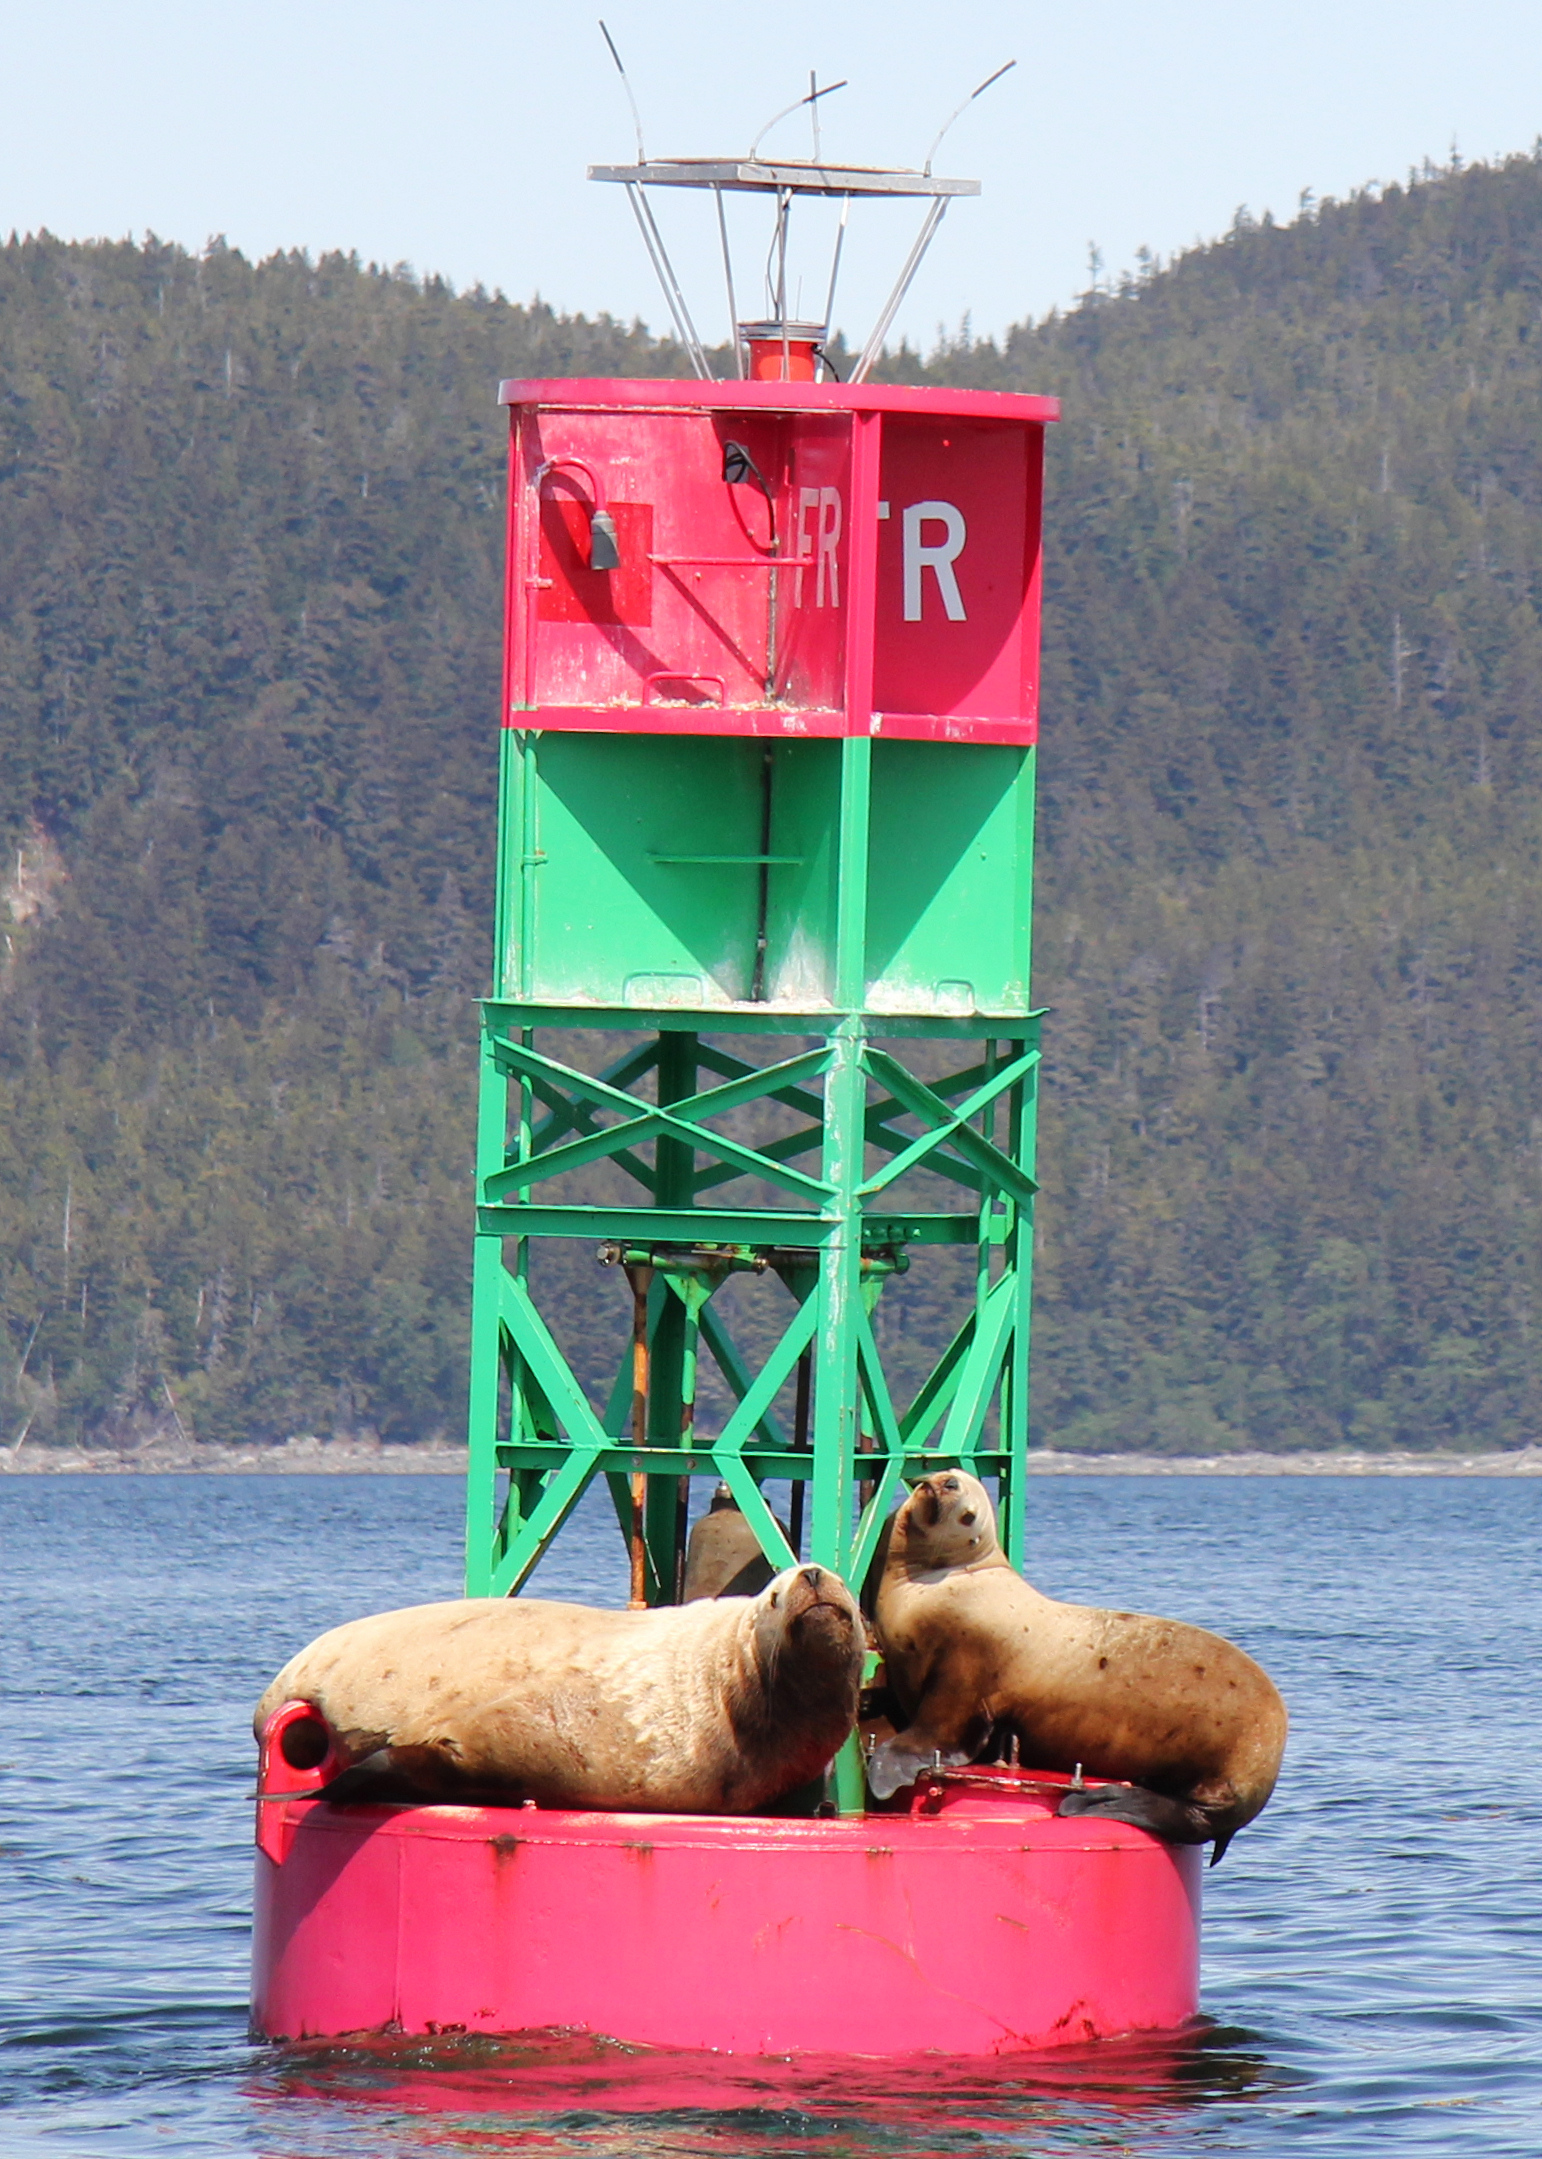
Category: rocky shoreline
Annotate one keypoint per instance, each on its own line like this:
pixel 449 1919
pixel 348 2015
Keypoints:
pixel 1524 1462
pixel 294 1457
pixel 312 1457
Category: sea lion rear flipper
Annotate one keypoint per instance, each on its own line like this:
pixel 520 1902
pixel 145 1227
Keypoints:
pixel 1178 1820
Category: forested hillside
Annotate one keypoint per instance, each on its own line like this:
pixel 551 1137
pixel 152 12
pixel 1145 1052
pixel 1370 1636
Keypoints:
pixel 1289 874
pixel 1291 915
pixel 249 613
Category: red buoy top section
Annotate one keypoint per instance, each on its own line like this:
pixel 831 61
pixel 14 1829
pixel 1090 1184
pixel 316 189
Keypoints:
pixel 774 558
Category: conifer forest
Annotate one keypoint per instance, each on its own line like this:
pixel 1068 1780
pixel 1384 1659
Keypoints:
pixel 1290 865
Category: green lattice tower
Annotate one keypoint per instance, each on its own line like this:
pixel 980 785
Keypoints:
pixel 752 886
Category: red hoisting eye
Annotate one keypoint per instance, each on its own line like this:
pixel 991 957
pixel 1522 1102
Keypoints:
pixel 305 1742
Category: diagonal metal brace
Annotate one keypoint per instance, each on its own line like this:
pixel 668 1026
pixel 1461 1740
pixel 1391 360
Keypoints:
pixel 952 1125
pixel 570 1116
pixel 625 1072
pixel 768 1384
pixel 647 1121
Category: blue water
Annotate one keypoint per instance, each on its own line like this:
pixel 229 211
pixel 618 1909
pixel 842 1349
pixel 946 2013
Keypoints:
pixel 1373 1947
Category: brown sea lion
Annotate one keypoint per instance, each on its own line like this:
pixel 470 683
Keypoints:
pixel 969 1646
pixel 710 1708
pixel 723 1557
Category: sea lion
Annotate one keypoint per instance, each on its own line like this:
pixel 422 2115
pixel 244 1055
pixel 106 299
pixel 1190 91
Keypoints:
pixel 1180 1714
pixel 723 1557
pixel 716 1707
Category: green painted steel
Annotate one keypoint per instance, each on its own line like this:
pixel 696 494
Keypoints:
pixel 757 1011
pixel 697 874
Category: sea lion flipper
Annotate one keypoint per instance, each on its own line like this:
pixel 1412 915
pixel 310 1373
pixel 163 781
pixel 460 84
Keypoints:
pixel 1178 1820
pixel 398 1774
pixel 899 1761
pixel 364 1779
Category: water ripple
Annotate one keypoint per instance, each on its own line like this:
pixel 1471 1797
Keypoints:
pixel 1373 1965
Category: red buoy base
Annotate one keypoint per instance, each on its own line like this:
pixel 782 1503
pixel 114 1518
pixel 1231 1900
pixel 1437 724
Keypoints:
pixel 976 1922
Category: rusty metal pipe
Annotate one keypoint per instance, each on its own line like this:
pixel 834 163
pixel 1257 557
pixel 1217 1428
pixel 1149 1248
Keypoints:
pixel 641 1280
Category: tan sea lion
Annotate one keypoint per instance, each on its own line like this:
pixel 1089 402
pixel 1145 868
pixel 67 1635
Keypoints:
pixel 1184 1716
pixel 723 1557
pixel 716 1707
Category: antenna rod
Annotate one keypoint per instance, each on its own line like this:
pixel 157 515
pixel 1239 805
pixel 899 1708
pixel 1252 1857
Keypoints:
pixel 728 277
pixel 783 216
pixel 653 241
pixel 952 116
pixel 880 329
pixel 642 155
pixel 827 90
pixel 835 268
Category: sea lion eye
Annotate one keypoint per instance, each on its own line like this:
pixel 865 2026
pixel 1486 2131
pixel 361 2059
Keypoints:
pixel 950 1484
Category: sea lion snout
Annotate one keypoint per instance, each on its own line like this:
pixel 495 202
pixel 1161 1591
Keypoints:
pixel 812 1606
pixel 798 1587
pixel 926 1503
pixel 953 1488
pixel 816 1590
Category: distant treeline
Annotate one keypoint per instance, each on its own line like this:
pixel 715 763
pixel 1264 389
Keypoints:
pixel 1289 921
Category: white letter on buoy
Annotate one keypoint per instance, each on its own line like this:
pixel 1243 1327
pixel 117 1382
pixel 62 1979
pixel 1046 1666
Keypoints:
pixel 803 539
pixel 829 533
pixel 939 559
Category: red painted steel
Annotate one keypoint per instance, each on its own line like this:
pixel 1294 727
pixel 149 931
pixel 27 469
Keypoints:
pixel 740 513
pixel 974 1922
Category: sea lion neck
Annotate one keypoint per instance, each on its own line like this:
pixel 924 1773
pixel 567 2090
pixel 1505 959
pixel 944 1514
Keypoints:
pixel 921 1564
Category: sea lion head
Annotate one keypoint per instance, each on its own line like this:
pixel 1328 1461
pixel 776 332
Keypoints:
pixel 809 1635
pixel 948 1521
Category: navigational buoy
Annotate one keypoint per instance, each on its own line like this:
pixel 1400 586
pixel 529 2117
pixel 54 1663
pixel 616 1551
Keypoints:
pixel 769 718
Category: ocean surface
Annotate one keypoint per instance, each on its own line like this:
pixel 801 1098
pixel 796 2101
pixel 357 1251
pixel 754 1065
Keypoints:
pixel 1373 1945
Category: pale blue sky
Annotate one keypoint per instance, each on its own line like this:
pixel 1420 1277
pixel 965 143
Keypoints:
pixel 455 136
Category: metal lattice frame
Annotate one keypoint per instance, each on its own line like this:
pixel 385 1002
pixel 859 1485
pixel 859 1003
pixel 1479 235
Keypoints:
pixel 834 1242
